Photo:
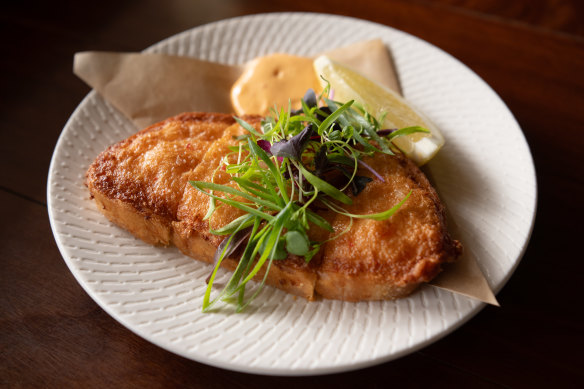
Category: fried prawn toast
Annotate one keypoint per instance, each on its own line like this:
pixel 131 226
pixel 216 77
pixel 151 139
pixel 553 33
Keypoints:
pixel 142 184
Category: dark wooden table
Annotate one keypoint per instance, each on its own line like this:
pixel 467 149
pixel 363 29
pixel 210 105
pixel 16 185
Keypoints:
pixel 531 52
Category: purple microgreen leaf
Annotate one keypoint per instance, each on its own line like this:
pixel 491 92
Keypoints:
pixel 285 149
pixel 265 145
pixel 310 98
pixel 292 148
pixel 359 183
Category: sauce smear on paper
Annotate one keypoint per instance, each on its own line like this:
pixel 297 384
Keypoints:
pixel 273 80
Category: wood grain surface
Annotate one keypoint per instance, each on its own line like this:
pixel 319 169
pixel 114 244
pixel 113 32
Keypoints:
pixel 531 53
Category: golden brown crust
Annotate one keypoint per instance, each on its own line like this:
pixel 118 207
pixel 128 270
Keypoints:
pixel 141 184
pixel 142 170
pixel 387 259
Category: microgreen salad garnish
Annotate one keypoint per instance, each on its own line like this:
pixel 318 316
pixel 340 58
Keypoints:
pixel 296 161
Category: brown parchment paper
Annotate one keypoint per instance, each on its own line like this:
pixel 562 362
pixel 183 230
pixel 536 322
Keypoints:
pixel 149 87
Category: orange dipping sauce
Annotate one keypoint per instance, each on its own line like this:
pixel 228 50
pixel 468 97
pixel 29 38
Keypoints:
pixel 273 80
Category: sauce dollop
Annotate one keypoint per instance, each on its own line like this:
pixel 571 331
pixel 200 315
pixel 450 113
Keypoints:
pixel 271 81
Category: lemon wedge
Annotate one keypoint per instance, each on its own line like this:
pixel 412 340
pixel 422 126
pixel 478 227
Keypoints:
pixel 376 99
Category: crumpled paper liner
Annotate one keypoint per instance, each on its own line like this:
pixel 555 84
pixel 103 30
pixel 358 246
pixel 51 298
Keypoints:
pixel 148 88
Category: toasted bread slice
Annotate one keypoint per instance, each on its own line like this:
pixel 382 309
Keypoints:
pixel 142 184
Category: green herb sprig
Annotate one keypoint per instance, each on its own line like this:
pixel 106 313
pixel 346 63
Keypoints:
pixel 295 160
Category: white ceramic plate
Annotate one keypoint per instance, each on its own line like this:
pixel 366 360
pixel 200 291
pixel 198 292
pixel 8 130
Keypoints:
pixel 484 173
